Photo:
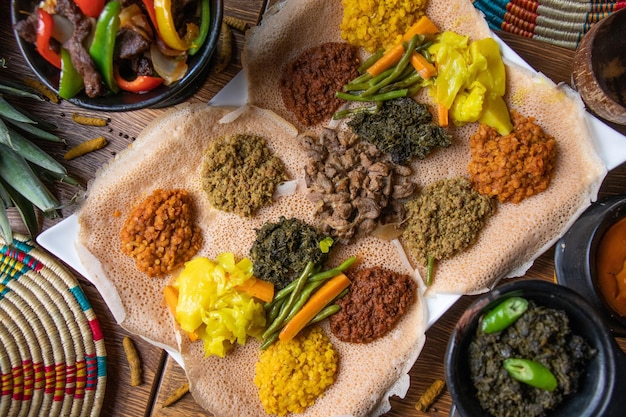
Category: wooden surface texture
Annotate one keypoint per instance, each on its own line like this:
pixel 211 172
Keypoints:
pixel 161 375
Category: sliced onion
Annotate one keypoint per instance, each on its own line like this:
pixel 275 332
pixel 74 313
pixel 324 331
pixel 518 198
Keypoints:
pixel 62 28
pixel 169 68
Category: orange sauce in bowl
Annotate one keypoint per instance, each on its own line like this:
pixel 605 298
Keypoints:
pixel 611 266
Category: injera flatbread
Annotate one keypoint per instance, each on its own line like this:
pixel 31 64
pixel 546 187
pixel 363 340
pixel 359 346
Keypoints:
pixel 518 233
pixel 168 154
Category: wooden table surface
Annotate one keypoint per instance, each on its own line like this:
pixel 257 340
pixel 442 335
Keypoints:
pixel 161 374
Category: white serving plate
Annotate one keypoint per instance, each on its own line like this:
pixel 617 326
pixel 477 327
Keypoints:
pixel 60 238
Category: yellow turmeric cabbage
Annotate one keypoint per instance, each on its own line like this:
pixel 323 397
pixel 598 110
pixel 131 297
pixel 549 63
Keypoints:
pixel 471 80
pixel 209 304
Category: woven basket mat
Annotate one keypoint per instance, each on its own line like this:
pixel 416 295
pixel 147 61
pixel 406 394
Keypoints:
pixel 559 22
pixel 52 354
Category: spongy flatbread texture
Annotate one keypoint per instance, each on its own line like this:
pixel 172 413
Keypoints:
pixel 367 375
pixel 517 233
pixel 168 154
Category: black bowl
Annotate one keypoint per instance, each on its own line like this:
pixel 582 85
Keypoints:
pixel 601 388
pixel 199 66
pixel 575 256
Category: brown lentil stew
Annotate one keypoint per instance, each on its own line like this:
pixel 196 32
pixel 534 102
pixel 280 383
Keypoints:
pixel 309 83
pixel 541 334
pixel 240 174
pixel 444 219
pixel 160 233
pixel 515 166
pixel 377 299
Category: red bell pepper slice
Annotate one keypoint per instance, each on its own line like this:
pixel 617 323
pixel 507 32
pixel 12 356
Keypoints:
pixel 141 84
pixel 149 4
pixel 91 8
pixel 44 33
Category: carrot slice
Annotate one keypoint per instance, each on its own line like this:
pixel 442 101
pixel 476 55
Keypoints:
pixel 442 115
pixel 316 303
pixel 424 26
pixel 171 298
pixel 390 58
pixel 423 67
pixel 258 288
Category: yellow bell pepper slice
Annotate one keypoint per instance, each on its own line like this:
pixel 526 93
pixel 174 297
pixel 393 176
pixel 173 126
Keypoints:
pixel 167 29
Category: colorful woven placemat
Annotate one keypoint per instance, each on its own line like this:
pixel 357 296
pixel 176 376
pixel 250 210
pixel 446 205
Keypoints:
pixel 52 358
pixel 559 22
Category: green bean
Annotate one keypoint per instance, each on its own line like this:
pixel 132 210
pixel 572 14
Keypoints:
pixel 377 97
pixel 269 340
pixel 321 276
pixel 430 270
pixel 304 297
pixel 341 114
pixel 327 311
pixel 300 282
pixel 16 172
pixel 399 68
pixel 356 87
pixel 340 295
pixel 370 61
pixel 380 77
pixel 363 78
pixel 403 83
pixel 287 289
pixel 414 88
pixel 275 310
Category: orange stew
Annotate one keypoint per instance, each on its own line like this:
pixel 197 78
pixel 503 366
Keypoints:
pixel 611 266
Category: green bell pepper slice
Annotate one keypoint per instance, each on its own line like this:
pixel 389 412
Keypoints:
pixel 205 22
pixel 103 45
pixel 71 81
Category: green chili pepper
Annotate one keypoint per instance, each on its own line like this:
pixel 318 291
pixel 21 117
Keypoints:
pixel 504 314
pixel 71 81
pixel 531 373
pixel 205 20
pixel 103 45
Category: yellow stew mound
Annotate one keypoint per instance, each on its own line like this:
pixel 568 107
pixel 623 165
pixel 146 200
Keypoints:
pixel 210 305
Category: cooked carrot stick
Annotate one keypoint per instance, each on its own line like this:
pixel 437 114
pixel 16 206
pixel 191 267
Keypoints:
pixel 424 26
pixel 316 303
pixel 442 115
pixel 423 67
pixel 258 288
pixel 171 298
pixel 388 60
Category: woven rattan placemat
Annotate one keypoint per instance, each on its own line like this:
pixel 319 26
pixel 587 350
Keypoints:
pixel 53 358
pixel 559 22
